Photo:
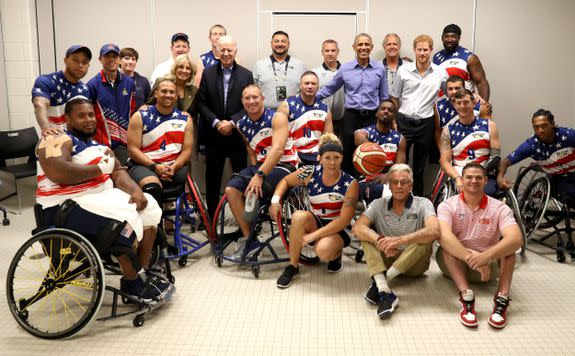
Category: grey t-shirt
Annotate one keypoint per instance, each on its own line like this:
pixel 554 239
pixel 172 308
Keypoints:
pixel 268 80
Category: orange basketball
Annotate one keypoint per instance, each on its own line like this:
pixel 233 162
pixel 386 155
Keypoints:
pixel 369 158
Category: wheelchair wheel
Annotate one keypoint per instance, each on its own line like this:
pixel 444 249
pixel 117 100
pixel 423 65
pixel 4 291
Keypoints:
pixel 295 199
pixel 512 202
pixel 533 204
pixel 55 284
pixel 201 207
pixel 225 227
pixel 445 191
pixel 525 176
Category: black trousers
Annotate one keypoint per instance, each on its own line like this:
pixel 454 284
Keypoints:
pixel 353 120
pixel 418 134
pixel 216 154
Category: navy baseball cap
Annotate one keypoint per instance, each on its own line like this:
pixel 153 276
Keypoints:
pixel 79 48
pixel 180 36
pixel 109 47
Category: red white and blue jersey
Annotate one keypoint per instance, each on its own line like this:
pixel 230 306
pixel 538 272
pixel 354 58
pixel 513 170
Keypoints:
pixel 86 153
pixel 556 158
pixel 455 63
pixel 208 59
pixel 326 201
pixel 389 142
pixel 259 135
pixel 469 143
pixel 114 103
pixel 447 112
pixel 56 88
pixel 306 124
pixel 162 135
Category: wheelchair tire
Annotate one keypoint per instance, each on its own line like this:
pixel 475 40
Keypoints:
pixel 445 191
pixel 55 284
pixel 512 202
pixel 201 207
pixel 533 204
pixel 525 176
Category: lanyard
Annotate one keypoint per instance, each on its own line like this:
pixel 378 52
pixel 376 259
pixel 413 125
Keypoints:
pixel 274 67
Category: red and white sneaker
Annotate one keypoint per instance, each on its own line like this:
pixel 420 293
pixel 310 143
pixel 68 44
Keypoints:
pixel 498 318
pixel 467 314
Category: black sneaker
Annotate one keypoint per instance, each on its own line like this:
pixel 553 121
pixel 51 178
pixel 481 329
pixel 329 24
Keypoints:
pixel 387 304
pixel 372 294
pixel 288 275
pixel 135 288
pixel 335 265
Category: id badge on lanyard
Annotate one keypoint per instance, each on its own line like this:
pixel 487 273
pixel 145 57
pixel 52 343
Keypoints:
pixel 281 89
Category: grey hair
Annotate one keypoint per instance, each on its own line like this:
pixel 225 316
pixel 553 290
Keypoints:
pixel 227 39
pixel 402 167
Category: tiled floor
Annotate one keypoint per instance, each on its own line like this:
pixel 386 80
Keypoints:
pixel 227 311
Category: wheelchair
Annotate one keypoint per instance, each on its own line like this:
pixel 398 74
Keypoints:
pixel 445 187
pixel 542 207
pixel 56 281
pixel 187 207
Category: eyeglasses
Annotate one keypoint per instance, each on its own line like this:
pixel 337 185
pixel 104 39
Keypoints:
pixel 402 182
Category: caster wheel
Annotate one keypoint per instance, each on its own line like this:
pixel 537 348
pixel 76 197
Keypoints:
pixel 219 261
pixel 172 279
pixel 5 222
pixel 359 256
pixel 256 271
pixel 560 257
pixel 138 321
pixel 183 261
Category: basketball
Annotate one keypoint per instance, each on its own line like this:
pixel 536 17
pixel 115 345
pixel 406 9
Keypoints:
pixel 369 158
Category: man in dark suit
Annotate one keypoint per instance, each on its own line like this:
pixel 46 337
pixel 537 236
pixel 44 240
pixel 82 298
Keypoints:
pixel 220 106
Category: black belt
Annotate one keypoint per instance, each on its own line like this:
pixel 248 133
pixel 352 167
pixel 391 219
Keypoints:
pixel 362 112
pixel 414 122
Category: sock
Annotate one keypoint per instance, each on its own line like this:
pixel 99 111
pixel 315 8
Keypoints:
pixel 505 296
pixel 381 283
pixel 392 273
pixel 467 295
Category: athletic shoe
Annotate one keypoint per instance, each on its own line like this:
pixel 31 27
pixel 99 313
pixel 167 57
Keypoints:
pixel 372 294
pixel 498 318
pixel 387 303
pixel 288 275
pixel 137 288
pixel 335 265
pixel 467 314
pixel 253 246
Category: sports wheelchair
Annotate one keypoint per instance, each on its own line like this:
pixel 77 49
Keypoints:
pixel 543 207
pixel 56 281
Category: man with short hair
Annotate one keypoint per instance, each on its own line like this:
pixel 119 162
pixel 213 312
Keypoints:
pixel 415 91
pixel 220 107
pixel 553 149
pixel 392 60
pixel 212 56
pixel 308 119
pixel 365 86
pixel 457 60
pixel 112 94
pixel 179 45
pixel 479 235
pixel 396 234
pixel 469 138
pixel 272 157
pixel 128 61
pixel 82 177
pixel 51 91
pixel 278 75
pixel 325 73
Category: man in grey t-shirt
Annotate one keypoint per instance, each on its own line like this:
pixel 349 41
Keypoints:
pixel 396 235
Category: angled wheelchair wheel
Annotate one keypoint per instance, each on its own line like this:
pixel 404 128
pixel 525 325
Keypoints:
pixel 295 199
pixel 55 284
pixel 533 203
pixel 445 191
pixel 525 176
pixel 225 227
pixel 512 202
pixel 201 207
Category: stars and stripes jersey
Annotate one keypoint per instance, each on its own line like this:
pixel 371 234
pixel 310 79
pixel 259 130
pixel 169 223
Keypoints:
pixel 114 103
pixel 259 136
pixel 447 112
pixel 557 158
pixel 56 88
pixel 306 124
pixel 208 59
pixel 455 63
pixel 84 152
pixel 326 201
pixel 469 143
pixel 162 135
pixel 389 142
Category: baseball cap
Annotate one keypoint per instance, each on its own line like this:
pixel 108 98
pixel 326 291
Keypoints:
pixel 180 36
pixel 109 47
pixel 79 48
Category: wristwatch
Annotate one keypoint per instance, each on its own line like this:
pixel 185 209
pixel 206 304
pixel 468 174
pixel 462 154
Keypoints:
pixel 260 173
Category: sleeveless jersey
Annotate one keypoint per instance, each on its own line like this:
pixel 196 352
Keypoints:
pixel 259 135
pixel 326 201
pixel 306 124
pixel 557 158
pixel 208 59
pixel 447 112
pixel 162 135
pixel 469 143
pixel 58 90
pixel 85 153
pixel 389 142
pixel 455 63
